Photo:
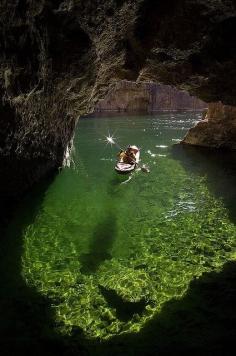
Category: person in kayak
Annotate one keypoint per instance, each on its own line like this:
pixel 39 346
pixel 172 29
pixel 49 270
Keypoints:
pixel 127 156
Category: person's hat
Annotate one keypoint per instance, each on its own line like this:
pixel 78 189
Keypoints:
pixel 134 148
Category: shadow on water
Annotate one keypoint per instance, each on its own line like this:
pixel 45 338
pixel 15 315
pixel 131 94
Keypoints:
pixel 105 231
pixel 101 243
pixel 219 168
pixel 125 310
pixel 203 322
pixel 114 185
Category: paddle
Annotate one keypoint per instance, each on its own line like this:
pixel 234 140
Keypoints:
pixel 143 168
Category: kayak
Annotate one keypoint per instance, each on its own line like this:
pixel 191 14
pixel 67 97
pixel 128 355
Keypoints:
pixel 123 168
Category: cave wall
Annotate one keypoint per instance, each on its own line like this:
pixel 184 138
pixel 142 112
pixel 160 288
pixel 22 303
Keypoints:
pixel 129 96
pixel 58 58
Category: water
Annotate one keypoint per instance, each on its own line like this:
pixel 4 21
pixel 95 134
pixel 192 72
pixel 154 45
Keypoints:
pixel 109 251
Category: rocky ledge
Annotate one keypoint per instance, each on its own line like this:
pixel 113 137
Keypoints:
pixel 217 129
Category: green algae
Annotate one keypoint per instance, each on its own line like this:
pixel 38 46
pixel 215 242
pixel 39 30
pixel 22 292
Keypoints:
pixel 110 255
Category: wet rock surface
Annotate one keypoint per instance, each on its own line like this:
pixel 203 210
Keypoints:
pixel 58 58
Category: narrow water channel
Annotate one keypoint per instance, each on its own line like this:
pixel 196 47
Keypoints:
pixel 109 251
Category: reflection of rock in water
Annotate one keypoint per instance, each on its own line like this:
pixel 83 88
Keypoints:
pixel 101 243
pixel 124 309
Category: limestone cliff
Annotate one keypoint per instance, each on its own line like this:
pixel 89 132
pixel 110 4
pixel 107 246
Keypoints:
pixel 57 58
pixel 147 97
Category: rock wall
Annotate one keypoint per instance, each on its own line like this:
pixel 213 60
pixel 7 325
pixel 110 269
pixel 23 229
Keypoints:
pixel 125 96
pixel 147 97
pixel 58 58
pixel 217 128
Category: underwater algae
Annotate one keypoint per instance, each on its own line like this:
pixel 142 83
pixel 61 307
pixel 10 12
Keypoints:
pixel 110 263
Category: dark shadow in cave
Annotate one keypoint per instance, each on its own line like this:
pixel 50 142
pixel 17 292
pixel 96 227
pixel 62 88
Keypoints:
pixel 17 172
pixel 219 167
pixel 101 243
pixel 203 322
pixel 125 310
pixel 27 322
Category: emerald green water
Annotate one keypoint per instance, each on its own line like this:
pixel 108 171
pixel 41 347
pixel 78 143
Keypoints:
pixel 109 252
